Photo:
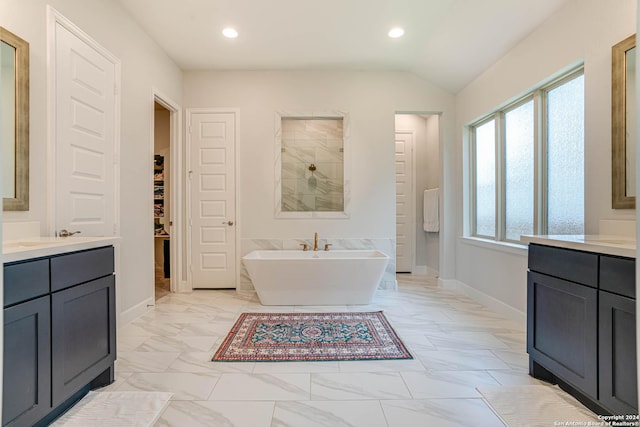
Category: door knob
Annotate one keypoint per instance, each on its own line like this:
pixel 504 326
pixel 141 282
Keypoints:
pixel 228 222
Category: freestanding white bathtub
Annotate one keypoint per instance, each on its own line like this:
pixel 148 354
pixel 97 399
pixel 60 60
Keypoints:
pixel 315 278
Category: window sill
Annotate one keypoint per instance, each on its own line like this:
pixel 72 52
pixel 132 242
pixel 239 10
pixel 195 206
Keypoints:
pixel 507 247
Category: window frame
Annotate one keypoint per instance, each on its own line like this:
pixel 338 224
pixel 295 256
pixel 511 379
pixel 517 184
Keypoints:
pixel 539 96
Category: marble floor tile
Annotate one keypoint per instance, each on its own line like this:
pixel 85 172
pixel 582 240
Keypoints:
pixel 446 384
pixel 262 387
pixel 515 341
pixel 141 328
pixel 451 360
pixel 180 343
pixel 513 377
pixel 458 346
pixel 440 412
pixel 328 414
pixel 418 342
pixel 128 343
pixel 358 386
pixel 295 367
pixel 537 405
pixel 515 359
pixel 466 341
pixel 145 361
pixel 184 386
pixel 160 318
pixel 381 365
pixel 216 414
pixel 201 362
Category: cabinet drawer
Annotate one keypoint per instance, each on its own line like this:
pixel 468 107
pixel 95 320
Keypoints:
pixel 25 280
pixel 576 266
pixel 79 267
pixel 618 275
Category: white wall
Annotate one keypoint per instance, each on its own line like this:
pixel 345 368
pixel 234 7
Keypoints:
pixel 427 175
pixel 581 30
pixel 144 66
pixel 372 98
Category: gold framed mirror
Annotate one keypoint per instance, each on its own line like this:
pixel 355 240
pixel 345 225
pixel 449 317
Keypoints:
pixel 14 117
pixel 623 123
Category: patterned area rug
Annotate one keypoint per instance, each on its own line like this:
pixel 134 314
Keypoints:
pixel 281 337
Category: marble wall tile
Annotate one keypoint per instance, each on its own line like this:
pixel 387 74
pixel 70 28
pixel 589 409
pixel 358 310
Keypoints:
pixel 302 139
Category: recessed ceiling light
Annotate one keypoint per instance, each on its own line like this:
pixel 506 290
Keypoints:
pixel 230 33
pixel 394 33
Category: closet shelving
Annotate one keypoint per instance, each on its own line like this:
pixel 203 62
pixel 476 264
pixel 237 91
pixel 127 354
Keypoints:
pixel 159 197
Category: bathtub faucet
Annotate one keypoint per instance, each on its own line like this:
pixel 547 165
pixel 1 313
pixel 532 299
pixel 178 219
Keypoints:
pixel 315 242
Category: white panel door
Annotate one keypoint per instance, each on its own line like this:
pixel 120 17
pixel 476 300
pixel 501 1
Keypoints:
pixel 85 135
pixel 404 202
pixel 212 199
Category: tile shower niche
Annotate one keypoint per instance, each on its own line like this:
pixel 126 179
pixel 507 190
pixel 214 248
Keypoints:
pixel 311 155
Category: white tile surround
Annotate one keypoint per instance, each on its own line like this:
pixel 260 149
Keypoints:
pixel 388 246
pixel 457 345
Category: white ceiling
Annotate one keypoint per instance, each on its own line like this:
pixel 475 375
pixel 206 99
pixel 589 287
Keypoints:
pixel 448 42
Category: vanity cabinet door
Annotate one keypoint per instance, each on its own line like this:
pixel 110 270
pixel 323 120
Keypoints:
pixel 83 335
pixel 27 368
pixel 618 387
pixel 562 329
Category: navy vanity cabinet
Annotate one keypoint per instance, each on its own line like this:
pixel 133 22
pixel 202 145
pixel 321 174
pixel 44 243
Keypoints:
pixel 83 331
pixel 617 335
pixel 581 325
pixel 59 333
pixel 27 356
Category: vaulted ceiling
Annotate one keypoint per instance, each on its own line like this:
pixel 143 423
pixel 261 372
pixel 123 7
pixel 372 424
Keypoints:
pixel 448 42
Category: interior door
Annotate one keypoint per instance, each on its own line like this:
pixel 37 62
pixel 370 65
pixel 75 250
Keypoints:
pixel 212 140
pixel 405 229
pixel 85 136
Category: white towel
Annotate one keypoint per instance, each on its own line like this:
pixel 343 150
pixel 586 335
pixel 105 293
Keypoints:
pixel 431 222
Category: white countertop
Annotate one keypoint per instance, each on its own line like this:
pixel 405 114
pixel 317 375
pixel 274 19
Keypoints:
pixel 19 250
pixel 600 243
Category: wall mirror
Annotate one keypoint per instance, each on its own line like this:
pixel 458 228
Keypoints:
pixel 623 124
pixel 14 121
pixel 312 154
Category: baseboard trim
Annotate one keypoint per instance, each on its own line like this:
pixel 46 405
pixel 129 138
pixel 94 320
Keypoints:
pixel 488 301
pixel 134 312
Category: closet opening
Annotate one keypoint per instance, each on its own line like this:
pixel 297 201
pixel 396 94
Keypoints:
pixel 417 159
pixel 162 199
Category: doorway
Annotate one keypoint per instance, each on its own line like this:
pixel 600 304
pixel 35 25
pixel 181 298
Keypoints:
pixel 165 172
pixel 162 220
pixel 417 137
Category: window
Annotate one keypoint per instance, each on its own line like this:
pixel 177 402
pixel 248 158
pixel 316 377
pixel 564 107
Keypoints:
pixel 527 163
